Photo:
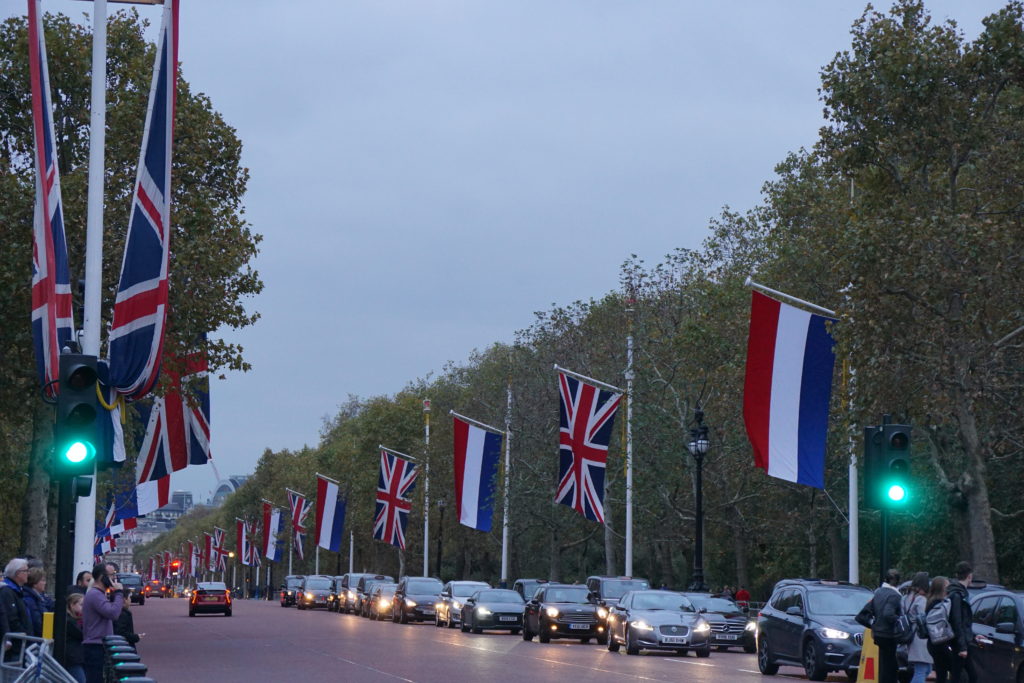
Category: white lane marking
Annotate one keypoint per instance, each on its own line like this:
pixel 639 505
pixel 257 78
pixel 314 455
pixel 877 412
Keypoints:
pixel 688 661
pixel 359 664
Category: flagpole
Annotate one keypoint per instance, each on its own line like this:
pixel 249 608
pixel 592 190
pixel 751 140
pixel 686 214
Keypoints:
pixel 426 487
pixel 481 425
pixel 791 299
pixel 400 454
pixel 629 441
pixel 351 550
pixel 317 563
pixel 508 463
pixel 590 380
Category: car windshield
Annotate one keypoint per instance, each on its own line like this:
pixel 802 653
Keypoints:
pixel 464 590
pixel 844 603
pixel 130 579
pixel 499 595
pixel 212 586
pixel 660 600
pixel 318 584
pixel 616 588
pixel 387 591
pixel 424 586
pixel 574 594
pixel 714 604
pixel 294 583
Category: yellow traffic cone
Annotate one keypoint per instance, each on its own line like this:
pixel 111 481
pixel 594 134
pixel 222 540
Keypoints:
pixel 868 669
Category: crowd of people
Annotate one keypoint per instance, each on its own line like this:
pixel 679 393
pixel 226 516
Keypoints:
pixel 96 606
pixel 938 641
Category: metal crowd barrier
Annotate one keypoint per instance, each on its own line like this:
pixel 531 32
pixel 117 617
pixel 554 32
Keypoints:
pixel 34 661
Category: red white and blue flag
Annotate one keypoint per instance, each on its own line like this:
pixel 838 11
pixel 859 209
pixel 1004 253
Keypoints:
pixel 177 428
pixel 300 508
pixel 140 305
pixel 254 547
pixel 208 559
pixel 52 323
pixel 787 391
pixel 330 514
pixel 197 558
pixel 271 528
pixel 395 482
pixel 220 555
pixel 587 416
pixel 243 548
pixel 477 452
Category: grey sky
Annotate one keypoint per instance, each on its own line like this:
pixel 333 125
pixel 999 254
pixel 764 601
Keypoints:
pixel 428 174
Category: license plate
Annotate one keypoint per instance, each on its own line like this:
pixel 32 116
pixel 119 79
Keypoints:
pixel 580 627
pixel 210 599
pixel 673 640
pixel 428 611
pixel 509 618
pixel 728 636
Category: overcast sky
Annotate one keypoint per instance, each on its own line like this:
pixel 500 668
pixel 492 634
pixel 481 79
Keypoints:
pixel 427 174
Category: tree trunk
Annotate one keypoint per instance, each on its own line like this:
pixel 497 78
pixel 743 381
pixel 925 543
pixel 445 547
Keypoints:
pixel 35 525
pixel 982 550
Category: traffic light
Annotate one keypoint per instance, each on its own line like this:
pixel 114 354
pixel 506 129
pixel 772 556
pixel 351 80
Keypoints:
pixel 175 567
pixel 872 467
pixel 895 492
pixel 77 430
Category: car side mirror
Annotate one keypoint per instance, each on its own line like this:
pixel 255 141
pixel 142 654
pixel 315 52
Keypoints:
pixel 1006 627
pixel 794 611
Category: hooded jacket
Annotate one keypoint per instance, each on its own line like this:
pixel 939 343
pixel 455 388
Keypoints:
pixel 960 615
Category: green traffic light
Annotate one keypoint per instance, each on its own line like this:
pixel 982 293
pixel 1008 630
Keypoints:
pixel 897 493
pixel 78 452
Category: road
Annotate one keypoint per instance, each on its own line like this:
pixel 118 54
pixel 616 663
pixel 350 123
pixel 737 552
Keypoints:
pixel 264 642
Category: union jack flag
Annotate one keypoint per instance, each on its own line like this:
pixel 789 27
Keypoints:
pixel 140 307
pixel 587 415
pixel 396 481
pixel 220 560
pixel 52 323
pixel 300 508
pixel 243 542
pixel 177 429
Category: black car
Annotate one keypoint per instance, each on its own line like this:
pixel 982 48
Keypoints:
pixel 289 589
pixel 658 620
pixel 560 610
pixel 730 625
pixel 349 596
pixel 133 587
pixel 527 587
pixel 416 599
pixel 364 592
pixel 449 607
pixel 810 623
pixel 998 635
pixel 608 590
pixel 493 609
pixel 336 595
pixel 314 591
pixel 379 607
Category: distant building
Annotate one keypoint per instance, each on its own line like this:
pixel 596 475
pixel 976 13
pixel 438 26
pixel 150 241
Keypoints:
pixel 181 503
pixel 226 487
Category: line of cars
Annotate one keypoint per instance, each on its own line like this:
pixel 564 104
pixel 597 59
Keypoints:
pixel 618 612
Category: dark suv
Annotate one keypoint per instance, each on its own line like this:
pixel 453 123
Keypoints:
pixel 998 631
pixel 290 588
pixel 810 623
pixel 416 599
pixel 133 587
pixel 608 590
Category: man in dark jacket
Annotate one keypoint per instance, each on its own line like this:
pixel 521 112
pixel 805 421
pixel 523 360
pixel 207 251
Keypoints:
pixel 12 601
pixel 960 618
pixel 880 615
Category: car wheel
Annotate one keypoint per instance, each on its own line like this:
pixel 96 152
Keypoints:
pixel 228 613
pixel 704 651
pixel 527 635
pixel 464 627
pixel 543 634
pixel 613 645
pixel 851 675
pixel 764 661
pixel 813 666
pixel 631 647
pixel 449 622
pixel 437 620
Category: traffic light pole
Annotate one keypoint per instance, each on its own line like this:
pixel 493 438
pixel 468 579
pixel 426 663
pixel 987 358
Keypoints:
pixel 65 565
pixel 884 553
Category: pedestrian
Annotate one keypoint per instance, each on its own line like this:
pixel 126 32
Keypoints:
pixel 74 660
pixel 960 618
pixel 125 624
pixel 942 653
pixel 82 582
pixel 914 604
pixel 12 602
pixel 101 608
pixel 727 593
pixel 880 615
pixel 743 597
pixel 36 600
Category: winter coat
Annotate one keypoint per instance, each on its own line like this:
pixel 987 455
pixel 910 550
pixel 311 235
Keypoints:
pixel 881 612
pixel 35 605
pixel 73 652
pixel 960 616
pixel 917 650
pixel 12 603
pixel 125 626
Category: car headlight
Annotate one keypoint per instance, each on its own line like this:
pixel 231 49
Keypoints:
pixel 702 627
pixel 351 595
pixel 309 596
pixel 602 613
pixel 641 625
pixel 552 612
pixel 483 611
pixel 751 625
pixel 385 603
pixel 456 604
pixel 833 634
pixel 410 603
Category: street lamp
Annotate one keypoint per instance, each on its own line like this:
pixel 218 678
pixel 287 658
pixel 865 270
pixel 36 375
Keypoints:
pixel 440 532
pixel 698 446
pixel 234 566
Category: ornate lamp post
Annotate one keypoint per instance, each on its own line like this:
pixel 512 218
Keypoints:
pixel 698 446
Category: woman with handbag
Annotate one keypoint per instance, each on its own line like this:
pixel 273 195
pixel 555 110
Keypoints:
pixel 941 652
pixel 914 605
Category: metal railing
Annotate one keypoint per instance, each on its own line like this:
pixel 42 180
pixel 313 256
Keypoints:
pixel 34 661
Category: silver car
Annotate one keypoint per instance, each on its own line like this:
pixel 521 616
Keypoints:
pixel 658 620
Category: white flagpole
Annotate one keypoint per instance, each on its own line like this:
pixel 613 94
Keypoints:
pixel 317 571
pixel 629 444
pixel 791 299
pixel 351 550
pixel 426 487
pixel 508 464
pixel 591 380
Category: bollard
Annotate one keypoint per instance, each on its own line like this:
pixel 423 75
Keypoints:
pixel 125 670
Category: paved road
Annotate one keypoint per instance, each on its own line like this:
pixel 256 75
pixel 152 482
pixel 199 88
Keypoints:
pixel 264 642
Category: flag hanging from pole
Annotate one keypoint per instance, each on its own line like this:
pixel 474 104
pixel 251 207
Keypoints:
pixel 395 482
pixel 477 452
pixel 788 387
pixel 218 549
pixel 300 508
pixel 52 323
pixel 242 552
pixel 140 305
pixel 254 548
pixel 330 514
pixel 586 416
pixel 271 528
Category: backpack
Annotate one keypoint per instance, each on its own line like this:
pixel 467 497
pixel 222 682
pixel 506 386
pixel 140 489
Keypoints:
pixel 937 621
pixel 917 622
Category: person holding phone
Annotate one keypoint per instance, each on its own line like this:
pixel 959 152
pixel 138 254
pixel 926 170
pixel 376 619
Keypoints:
pixel 102 607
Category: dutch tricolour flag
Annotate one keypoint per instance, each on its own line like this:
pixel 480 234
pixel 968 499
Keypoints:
pixel 787 391
pixel 476 464
pixel 330 514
